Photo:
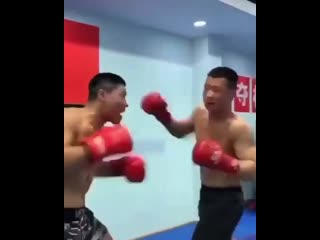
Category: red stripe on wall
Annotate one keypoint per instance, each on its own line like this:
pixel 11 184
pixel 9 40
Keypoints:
pixel 81 59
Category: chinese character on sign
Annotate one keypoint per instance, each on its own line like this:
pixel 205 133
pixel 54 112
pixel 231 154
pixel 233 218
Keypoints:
pixel 253 95
pixel 241 102
pixel 242 93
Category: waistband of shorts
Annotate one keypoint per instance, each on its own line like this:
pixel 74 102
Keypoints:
pixel 221 189
pixel 72 214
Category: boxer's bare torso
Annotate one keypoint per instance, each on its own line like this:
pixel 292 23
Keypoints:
pixel 223 132
pixel 77 182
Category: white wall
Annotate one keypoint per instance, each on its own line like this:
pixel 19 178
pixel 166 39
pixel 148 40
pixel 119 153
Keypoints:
pixel 150 60
pixel 243 64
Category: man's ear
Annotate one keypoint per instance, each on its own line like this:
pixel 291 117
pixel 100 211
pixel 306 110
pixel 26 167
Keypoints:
pixel 101 93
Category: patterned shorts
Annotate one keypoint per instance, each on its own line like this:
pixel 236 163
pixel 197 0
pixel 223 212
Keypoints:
pixel 80 224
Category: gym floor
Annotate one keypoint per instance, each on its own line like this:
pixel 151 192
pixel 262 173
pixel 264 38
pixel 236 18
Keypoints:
pixel 246 230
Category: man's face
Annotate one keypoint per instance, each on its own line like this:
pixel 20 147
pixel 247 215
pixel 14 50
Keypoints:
pixel 114 103
pixel 216 94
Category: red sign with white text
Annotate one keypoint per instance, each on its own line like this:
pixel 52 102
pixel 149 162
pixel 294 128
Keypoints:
pixel 81 59
pixel 253 95
pixel 242 99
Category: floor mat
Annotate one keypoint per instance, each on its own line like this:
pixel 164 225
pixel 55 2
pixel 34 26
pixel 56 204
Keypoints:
pixel 246 230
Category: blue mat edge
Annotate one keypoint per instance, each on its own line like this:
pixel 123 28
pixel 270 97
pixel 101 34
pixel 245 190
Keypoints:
pixel 165 230
pixel 251 236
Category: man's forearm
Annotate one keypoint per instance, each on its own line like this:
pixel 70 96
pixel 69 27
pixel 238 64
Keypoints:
pixel 103 170
pixel 113 168
pixel 75 157
pixel 247 170
pixel 179 129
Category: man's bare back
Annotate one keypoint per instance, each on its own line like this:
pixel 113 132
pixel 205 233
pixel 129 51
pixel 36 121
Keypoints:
pixel 77 182
pixel 224 133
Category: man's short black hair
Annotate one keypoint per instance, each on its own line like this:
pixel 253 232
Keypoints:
pixel 224 72
pixel 105 81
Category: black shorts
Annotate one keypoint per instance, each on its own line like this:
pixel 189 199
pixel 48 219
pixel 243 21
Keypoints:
pixel 80 224
pixel 220 210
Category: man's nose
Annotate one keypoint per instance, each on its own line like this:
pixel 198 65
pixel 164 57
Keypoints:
pixel 210 94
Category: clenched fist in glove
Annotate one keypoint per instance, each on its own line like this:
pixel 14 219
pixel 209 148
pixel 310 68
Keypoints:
pixel 208 153
pixel 154 104
pixel 132 167
pixel 108 141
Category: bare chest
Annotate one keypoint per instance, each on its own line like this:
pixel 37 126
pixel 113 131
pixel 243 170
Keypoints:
pixel 222 133
pixel 218 131
pixel 82 130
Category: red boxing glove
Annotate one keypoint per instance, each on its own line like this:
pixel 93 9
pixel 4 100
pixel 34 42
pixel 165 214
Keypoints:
pixel 209 154
pixel 108 141
pixel 154 104
pixel 133 167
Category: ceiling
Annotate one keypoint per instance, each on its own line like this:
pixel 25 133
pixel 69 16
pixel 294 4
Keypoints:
pixel 236 28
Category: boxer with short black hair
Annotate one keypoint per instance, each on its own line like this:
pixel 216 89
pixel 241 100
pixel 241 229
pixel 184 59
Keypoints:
pixel 86 143
pixel 224 150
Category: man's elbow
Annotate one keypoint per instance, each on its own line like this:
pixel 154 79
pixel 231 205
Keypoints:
pixel 248 170
pixel 178 135
pixel 175 133
pixel 253 172
pixel 252 176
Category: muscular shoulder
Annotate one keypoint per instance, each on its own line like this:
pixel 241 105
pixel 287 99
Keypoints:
pixel 71 116
pixel 239 127
pixel 199 110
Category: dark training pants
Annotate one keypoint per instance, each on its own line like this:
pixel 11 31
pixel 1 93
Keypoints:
pixel 220 210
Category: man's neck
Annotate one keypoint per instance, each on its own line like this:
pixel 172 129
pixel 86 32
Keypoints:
pixel 92 112
pixel 221 115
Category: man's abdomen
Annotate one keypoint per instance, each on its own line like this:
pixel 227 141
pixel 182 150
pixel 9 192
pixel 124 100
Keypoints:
pixel 215 178
pixel 75 189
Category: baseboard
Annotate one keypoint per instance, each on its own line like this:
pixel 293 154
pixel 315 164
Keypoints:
pixel 164 230
pixel 73 105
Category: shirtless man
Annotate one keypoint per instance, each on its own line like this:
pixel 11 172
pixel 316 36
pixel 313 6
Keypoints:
pixel 224 150
pixel 86 143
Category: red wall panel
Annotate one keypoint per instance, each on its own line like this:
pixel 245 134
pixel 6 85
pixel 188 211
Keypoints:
pixel 81 59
